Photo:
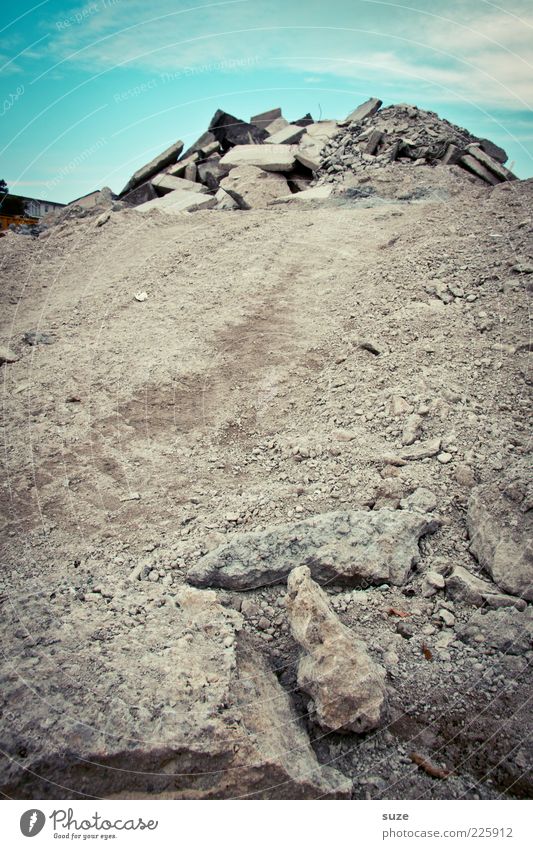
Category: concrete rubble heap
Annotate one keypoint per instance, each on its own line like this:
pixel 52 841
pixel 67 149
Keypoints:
pixel 309 154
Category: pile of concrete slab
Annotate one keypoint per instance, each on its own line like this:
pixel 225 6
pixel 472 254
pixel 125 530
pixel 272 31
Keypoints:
pixel 243 165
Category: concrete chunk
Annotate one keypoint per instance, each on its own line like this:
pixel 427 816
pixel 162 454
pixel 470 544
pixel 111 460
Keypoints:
pixel 288 135
pixel 263 119
pixel 277 125
pixel 369 107
pixel 472 164
pixel 166 183
pixel 157 164
pixel 178 170
pixel 269 157
pixel 490 163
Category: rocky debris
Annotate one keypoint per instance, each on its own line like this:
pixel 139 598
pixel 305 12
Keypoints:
pixel 37 337
pixel 153 167
pixel 179 201
pixel 7 355
pixel 347 687
pixel 316 193
pixel 264 119
pixel 373 138
pixel 501 537
pixel 462 585
pixel 507 630
pixel 272 157
pixel 230 131
pixel 347 547
pixel 411 429
pixel 253 188
pixel 199 714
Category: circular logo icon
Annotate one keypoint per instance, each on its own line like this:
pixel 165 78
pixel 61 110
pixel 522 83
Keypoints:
pixel 32 822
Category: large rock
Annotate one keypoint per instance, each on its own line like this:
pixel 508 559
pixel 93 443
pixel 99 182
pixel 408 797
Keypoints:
pixel 493 150
pixel 200 145
pixel 501 539
pixel 95 704
pixel 157 164
pixel 142 194
pixel 179 201
pixel 492 164
pixel 291 134
pixel 471 163
pixel 253 188
pixel 365 110
pixel 355 548
pixel 269 157
pixel 347 687
pixel 276 125
pixel 230 131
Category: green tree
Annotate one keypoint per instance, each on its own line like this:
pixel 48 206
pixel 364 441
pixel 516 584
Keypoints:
pixel 10 204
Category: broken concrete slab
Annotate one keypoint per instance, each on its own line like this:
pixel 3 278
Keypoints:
pixel 253 188
pixel 142 713
pixel 230 131
pixel 365 110
pixel 225 201
pixel 322 131
pixel 269 157
pixel 493 150
pixel 166 183
pixel 305 121
pixel 199 145
pixel 263 119
pixel 347 687
pixel 276 125
pixel 501 539
pixel 309 156
pixel 355 548
pixel 178 170
pixel 374 140
pixel 472 164
pixel 179 201
pixel 210 172
pixel 452 155
pixel 496 167
pixel 290 134
pixel 157 164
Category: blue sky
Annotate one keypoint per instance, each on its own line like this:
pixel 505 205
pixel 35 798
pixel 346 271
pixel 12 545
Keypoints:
pixel 90 91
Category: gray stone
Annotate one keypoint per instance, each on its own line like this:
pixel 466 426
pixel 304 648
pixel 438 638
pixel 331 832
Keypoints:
pixel 166 183
pixel 411 429
pixel 230 131
pixel 461 585
pixel 348 547
pixel 178 170
pixel 183 707
pixel 335 669
pixel 365 110
pixel 507 630
pixel 253 188
pixel 141 194
pixel 309 157
pixel 288 135
pixel 316 193
pixel 493 150
pixel 157 164
pixel 374 140
pixel 277 125
pixel 422 450
pixel 269 157
pixel 501 539
pixel 225 201
pixel 264 119
pixel 496 167
pixel 421 499
pixel 452 155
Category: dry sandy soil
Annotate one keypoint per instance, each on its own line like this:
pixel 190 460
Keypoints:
pixel 237 396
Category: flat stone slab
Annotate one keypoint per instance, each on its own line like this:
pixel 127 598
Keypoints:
pixel 290 134
pixel 490 163
pixel 317 193
pixel 263 119
pixel 168 183
pixel 182 705
pixel 178 201
pixel 269 157
pixel 253 188
pixel 354 548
